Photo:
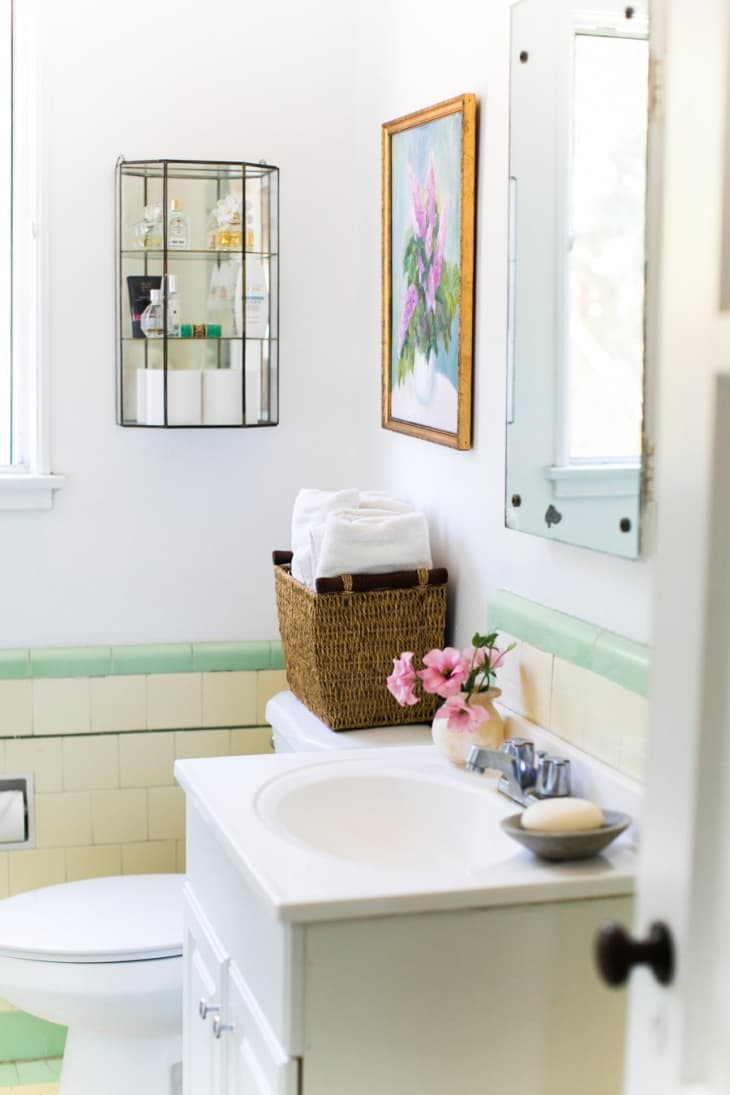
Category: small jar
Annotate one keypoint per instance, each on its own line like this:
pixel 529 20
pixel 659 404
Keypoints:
pixel 148 233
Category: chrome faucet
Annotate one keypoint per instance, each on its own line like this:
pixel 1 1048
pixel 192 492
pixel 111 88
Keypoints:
pixel 526 775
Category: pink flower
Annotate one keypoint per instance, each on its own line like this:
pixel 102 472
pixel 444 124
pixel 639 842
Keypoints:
pixel 431 193
pixel 409 307
pixel 491 657
pixel 463 717
pixel 419 213
pixel 440 244
pixel 401 680
pixel 445 673
pixel 496 657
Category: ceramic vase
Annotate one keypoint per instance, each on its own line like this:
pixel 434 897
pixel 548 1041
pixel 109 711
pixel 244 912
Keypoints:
pixel 424 376
pixel 455 744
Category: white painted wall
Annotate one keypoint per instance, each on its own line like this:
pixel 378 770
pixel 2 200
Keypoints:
pixel 166 535
pixel 431 56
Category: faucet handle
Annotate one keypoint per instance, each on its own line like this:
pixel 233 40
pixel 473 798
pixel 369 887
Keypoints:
pixel 521 749
pixel 553 777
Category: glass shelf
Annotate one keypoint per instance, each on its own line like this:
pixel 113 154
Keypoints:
pixel 230 379
pixel 207 253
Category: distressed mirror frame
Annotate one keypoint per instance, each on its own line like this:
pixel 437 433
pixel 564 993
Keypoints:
pixel 536 502
pixel 464 106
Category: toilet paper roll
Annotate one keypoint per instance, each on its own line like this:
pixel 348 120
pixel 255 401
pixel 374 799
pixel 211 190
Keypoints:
pixel 222 397
pixel 151 397
pixel 12 817
pixel 253 393
pixel 183 397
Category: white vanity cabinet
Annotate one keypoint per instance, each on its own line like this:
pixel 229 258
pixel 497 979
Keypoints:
pixel 495 1000
pixel 230 1046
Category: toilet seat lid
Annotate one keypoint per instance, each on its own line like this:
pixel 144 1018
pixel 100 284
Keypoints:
pixel 125 919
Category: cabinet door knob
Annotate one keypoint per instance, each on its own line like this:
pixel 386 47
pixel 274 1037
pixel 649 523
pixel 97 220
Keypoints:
pixel 617 953
pixel 205 1009
pixel 219 1027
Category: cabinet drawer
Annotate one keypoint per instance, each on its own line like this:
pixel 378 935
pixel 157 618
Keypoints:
pixel 266 952
pixel 204 988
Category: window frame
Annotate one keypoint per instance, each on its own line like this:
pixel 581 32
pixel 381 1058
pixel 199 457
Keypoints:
pixel 28 482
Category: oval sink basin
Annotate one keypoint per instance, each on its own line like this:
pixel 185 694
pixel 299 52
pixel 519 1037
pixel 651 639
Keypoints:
pixel 388 818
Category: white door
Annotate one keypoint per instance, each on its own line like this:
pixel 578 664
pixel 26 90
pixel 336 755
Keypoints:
pixel 679 1036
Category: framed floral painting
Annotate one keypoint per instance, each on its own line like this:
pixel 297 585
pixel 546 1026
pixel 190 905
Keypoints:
pixel 428 271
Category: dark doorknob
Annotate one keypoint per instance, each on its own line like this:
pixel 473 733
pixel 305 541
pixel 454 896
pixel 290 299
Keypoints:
pixel 617 953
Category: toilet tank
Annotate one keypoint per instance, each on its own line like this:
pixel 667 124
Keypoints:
pixel 297 730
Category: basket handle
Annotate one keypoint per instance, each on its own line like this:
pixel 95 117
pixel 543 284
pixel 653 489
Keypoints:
pixel 395 579
pixel 365 583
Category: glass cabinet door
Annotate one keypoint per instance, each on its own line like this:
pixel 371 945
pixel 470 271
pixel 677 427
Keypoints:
pixel 197 294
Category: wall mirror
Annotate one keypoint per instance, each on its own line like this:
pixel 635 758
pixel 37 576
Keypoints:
pixel 576 436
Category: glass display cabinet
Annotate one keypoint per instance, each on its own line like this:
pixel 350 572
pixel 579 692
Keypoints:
pixel 197 293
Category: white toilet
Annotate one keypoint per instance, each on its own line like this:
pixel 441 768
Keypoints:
pixel 297 730
pixel 102 957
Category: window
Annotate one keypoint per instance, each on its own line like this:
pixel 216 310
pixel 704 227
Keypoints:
pixel 25 482
pixel 6 456
pixel 605 338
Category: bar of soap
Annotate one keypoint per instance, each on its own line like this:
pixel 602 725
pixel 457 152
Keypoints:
pixel 562 815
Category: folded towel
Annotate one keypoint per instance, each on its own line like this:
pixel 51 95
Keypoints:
pixel 316 533
pixel 311 508
pixel 371 542
pixel 378 499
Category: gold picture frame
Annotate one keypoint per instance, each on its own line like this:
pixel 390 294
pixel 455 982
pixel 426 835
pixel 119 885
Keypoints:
pixel 428 214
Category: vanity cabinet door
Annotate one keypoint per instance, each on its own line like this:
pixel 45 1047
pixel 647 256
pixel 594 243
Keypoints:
pixel 255 1062
pixel 203 1004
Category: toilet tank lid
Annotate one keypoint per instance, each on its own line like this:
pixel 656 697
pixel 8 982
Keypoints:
pixel 296 727
pixel 124 919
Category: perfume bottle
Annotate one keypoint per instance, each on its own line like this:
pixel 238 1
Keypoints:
pixel 173 307
pixel 148 231
pixel 178 227
pixel 226 232
pixel 229 238
pixel 152 321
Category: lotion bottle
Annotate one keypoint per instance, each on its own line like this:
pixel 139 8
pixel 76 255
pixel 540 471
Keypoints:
pixel 257 297
pixel 178 227
pixel 173 307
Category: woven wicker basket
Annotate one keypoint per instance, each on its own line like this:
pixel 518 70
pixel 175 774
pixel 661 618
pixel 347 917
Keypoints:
pixel 340 641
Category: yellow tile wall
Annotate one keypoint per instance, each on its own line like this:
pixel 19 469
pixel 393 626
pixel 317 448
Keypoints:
pixel 583 708
pixel 103 749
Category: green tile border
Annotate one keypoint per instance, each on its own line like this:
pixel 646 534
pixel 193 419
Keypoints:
pixel 24 1037
pixel 14 664
pixel 214 657
pixel 152 658
pixel 141 658
pixel 8 1075
pixel 71 661
pixel 620 660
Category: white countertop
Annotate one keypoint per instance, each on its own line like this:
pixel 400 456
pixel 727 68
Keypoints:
pixel 303 884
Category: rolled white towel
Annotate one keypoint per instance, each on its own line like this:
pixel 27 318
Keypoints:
pixel 372 542
pixel 311 507
pixel 378 499
pixel 316 532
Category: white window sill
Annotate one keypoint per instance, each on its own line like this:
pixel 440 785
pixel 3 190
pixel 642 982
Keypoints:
pixel 24 490
pixel 594 480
